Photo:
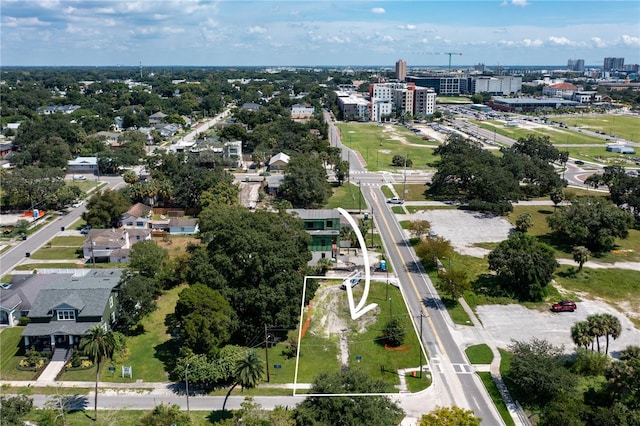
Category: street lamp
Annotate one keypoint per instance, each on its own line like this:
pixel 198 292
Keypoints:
pixel 390 311
pixel 186 384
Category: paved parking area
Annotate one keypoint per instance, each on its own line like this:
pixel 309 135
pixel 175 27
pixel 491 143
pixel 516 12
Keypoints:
pixel 505 323
pixel 465 228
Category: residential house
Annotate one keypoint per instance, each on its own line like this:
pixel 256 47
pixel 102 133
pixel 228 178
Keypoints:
pixel 68 307
pixel 5 148
pixel 324 227
pixel 17 296
pixel 137 217
pixel 53 109
pixel 273 184
pixel 279 161
pixel 157 118
pixel 299 111
pixel 250 106
pixel 83 165
pixel 112 245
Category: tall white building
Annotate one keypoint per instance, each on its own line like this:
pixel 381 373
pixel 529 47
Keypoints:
pixel 501 85
pixel 389 97
pixel 424 101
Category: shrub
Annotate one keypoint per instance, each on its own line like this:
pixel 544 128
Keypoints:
pixel 394 333
pixel 588 363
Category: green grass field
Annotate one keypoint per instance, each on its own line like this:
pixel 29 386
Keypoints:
pixel 56 253
pixel 556 135
pixel 494 393
pixel 347 196
pixel 623 126
pixel 377 148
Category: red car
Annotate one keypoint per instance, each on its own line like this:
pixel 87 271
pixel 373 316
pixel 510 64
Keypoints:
pixel 564 306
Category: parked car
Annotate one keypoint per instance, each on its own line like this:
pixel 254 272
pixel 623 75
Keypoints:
pixel 564 306
pixel 353 282
pixel 395 200
pixel 579 162
pixel 85 230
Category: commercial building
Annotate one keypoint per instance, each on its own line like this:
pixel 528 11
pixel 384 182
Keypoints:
pixel 575 65
pixel 613 64
pixel 453 86
pixel 352 106
pixel 401 69
pixel 530 104
pixel 501 85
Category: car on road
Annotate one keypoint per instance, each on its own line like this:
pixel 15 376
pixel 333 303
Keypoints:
pixel 85 230
pixel 579 162
pixel 564 306
pixel 79 177
pixel 395 200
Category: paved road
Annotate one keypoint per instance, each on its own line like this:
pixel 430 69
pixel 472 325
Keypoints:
pixel 454 379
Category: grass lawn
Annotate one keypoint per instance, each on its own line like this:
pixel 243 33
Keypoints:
pixel 414 192
pixel 599 155
pixel 67 241
pixel 494 393
pixel 557 136
pixel 122 417
pixel 56 253
pixel 626 127
pixel 177 244
pixel 453 100
pixel 61 265
pixel 479 354
pixel 11 352
pixel 347 196
pixel 375 144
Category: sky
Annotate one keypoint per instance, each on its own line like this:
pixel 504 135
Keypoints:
pixel 316 33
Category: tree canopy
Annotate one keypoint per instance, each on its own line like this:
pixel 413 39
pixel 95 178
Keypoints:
pixel 104 209
pixel 523 265
pixel 592 222
pixel 305 183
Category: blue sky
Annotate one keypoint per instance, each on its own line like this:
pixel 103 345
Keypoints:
pixel 347 33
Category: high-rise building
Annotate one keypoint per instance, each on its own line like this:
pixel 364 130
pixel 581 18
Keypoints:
pixel 401 69
pixel 612 64
pixel 575 65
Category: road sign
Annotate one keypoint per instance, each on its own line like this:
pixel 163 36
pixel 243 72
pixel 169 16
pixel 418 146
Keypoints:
pixel 277 366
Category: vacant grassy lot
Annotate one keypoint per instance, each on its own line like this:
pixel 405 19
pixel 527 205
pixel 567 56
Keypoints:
pixel 347 196
pixel 379 148
pixel 623 126
pixel 628 249
pixel 177 244
pixel 556 135
pixel 414 192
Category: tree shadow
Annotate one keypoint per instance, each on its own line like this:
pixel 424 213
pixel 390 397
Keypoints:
pixel 571 272
pixel 167 353
pixel 449 303
pixel 219 415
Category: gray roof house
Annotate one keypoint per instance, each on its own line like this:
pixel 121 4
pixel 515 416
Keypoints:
pixel 279 161
pixel 17 296
pixel 68 307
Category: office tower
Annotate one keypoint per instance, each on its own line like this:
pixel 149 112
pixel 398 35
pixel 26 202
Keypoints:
pixel 401 69
pixel 612 64
pixel 575 65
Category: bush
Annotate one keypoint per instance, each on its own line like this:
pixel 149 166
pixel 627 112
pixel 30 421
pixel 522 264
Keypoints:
pixel 500 208
pixel 394 333
pixel 23 321
pixel 588 363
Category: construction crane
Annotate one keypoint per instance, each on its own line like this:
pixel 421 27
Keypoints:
pixel 446 53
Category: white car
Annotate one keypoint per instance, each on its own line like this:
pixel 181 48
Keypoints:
pixel 395 200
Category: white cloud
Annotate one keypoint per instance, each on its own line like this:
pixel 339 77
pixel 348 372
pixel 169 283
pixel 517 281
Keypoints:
pixel 561 41
pixel 631 41
pixel 338 40
pixel 407 27
pixel 257 30
pixel 521 3
pixel 532 43
pixel 598 42
pixel 387 39
pixel 378 10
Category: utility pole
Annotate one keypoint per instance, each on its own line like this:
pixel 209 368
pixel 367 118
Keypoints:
pixel 266 350
pixel 404 181
pixel 371 226
pixel 420 346
pixel 186 384
pixel 359 197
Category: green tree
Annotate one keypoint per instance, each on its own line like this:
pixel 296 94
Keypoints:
pixel 394 333
pixel 13 409
pixel 454 283
pixel 147 257
pixel 98 344
pixel 130 177
pixel 247 372
pixel 612 329
pixel 205 318
pixel 597 328
pixel 537 374
pixel 305 183
pixel 347 411
pixel 591 222
pixel 341 169
pixel 136 299
pixel 624 380
pixel 450 416
pixel 105 208
pixel 166 415
pixel 431 249
pixel 401 161
pixel 524 266
pixel 524 222
pixel 580 256
pixel 557 196
pixel 419 227
pixel 581 334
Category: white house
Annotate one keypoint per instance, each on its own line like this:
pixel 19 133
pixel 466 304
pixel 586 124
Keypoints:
pixel 83 164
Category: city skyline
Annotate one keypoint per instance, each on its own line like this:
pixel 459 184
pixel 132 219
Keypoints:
pixel 318 33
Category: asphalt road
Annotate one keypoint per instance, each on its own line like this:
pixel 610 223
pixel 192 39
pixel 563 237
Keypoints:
pixel 454 378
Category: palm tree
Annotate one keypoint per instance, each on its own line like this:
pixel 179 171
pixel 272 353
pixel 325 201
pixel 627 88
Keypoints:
pixel 247 373
pixel 596 328
pixel 612 327
pixel 98 343
pixel 580 334
pixel 580 256
pixel 524 222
